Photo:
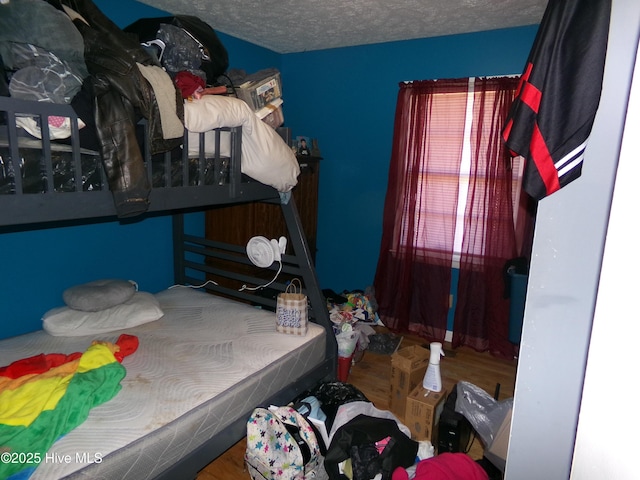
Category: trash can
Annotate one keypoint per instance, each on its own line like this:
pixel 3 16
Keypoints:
pixel 518 295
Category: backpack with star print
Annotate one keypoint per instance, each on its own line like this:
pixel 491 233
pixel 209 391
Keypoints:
pixel 281 445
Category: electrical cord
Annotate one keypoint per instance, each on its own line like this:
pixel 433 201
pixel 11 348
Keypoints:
pixel 470 444
pixel 244 287
pixel 194 286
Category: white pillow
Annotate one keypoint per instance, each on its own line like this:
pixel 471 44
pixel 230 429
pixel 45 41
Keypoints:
pixel 265 155
pixel 141 308
pixel 216 111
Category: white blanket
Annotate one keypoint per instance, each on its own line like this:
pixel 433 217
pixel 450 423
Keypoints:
pixel 265 156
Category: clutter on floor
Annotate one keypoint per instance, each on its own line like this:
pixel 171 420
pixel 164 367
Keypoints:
pixel 446 466
pixel 358 309
pixel 452 417
pixel 384 343
pixel 352 307
pixel 407 371
pixel 353 314
pixel 490 418
pixel 333 432
pixel 422 412
pixel 455 433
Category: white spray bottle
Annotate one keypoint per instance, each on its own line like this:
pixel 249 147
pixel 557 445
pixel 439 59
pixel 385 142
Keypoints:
pixel 432 380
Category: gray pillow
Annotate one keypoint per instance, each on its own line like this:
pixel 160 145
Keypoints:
pixel 99 295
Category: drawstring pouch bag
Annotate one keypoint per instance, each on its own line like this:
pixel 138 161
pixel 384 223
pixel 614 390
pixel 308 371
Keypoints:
pixel 291 310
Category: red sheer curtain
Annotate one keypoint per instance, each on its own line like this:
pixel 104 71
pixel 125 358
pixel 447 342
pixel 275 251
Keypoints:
pixel 490 236
pixel 413 277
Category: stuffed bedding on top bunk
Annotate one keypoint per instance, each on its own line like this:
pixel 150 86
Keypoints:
pixel 75 56
pixel 207 362
pixel 265 156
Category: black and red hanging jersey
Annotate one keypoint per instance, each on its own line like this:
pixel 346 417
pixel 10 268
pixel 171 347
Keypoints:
pixel 551 117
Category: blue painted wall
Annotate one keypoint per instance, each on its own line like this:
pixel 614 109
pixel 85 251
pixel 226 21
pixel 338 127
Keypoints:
pixel 343 97
pixel 37 266
pixel 346 98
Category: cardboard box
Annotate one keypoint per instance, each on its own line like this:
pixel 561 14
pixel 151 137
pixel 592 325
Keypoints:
pixel 423 412
pixel 272 114
pixel 258 93
pixel 408 366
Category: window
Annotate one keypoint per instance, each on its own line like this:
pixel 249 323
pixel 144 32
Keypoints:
pixel 445 178
pixel 449 202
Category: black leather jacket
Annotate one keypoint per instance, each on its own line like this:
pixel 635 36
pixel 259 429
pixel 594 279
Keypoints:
pixel 122 94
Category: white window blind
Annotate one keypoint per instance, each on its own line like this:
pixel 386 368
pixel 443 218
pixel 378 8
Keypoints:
pixel 446 177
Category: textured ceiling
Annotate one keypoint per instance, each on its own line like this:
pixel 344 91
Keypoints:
pixel 287 26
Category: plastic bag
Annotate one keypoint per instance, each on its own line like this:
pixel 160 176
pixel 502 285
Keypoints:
pixel 347 341
pixel 483 412
pixel 41 76
pixel 182 51
pixel 333 394
pixel 202 51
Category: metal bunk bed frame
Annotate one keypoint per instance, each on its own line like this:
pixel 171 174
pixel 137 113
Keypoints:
pixel 20 211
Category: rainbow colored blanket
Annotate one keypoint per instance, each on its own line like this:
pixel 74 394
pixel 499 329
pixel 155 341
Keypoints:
pixel 44 397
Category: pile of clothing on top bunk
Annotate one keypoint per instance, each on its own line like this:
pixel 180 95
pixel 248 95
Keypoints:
pixel 107 77
pixel 68 51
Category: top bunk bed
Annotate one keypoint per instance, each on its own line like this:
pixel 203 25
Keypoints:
pixel 126 132
pixel 46 180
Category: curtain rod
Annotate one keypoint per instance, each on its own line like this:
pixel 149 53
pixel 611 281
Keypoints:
pixel 511 75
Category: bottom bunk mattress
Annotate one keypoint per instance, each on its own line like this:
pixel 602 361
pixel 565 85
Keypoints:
pixel 207 362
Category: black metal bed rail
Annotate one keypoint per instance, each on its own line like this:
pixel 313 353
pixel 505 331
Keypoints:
pixel 200 262
pixel 219 278
pixel 12 139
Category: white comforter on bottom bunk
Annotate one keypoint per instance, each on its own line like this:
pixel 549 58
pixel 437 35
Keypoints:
pixel 198 368
pixel 265 156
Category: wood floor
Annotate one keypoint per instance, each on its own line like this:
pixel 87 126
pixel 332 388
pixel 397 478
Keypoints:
pixel 371 375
